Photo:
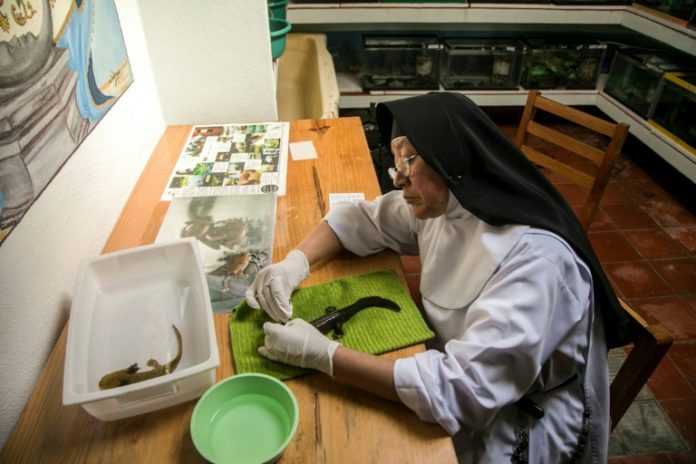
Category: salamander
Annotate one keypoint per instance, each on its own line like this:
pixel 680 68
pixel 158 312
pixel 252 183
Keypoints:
pixel 335 318
pixel 131 375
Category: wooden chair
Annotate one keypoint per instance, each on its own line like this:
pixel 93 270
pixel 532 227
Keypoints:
pixel 650 341
pixel 650 344
pixel 594 183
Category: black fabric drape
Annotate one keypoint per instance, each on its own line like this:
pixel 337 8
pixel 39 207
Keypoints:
pixel 493 180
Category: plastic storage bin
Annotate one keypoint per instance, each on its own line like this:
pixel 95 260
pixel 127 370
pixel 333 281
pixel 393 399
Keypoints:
pixel 561 64
pixel 400 63
pixel 675 109
pixel 636 79
pixel 124 309
pixel 307 87
pixel 681 9
pixel 481 63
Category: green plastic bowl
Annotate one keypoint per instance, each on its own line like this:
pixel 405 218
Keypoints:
pixel 279 29
pixel 246 418
pixel 277 8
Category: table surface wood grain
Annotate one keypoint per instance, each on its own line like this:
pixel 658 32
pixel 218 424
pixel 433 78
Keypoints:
pixel 338 423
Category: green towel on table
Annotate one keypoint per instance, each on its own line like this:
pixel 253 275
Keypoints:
pixel 372 330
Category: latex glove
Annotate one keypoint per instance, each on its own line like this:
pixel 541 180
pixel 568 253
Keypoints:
pixel 298 343
pixel 273 286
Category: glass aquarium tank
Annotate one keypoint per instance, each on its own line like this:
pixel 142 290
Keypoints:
pixel 636 79
pixel 675 109
pixel 481 63
pixel 561 64
pixel 401 62
pixel 681 9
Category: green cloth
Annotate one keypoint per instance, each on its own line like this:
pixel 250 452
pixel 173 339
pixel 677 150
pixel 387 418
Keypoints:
pixel 372 330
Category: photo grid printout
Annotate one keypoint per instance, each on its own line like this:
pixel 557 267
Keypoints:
pixel 229 159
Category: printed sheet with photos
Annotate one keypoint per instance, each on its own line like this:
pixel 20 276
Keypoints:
pixel 230 159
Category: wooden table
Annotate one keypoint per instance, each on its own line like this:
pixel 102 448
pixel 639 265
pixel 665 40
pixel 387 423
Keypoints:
pixel 338 423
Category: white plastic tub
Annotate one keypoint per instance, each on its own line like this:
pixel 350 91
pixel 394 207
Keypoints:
pixel 124 306
pixel 307 86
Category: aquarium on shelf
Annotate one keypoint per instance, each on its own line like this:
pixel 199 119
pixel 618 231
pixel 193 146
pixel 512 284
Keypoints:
pixel 561 63
pixel 481 63
pixel 636 78
pixel 675 109
pixel 681 9
pixel 592 2
pixel 401 62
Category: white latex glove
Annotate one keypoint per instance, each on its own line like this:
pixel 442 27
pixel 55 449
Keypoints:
pixel 298 343
pixel 273 286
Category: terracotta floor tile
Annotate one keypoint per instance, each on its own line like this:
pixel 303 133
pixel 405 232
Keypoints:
pixel 690 302
pixel 682 413
pixel 655 243
pixel 667 383
pixel 612 246
pixel 573 194
pixel 683 356
pixel 636 280
pixel 682 458
pixel 614 195
pixel 679 273
pixel 629 217
pixel 684 235
pixel 669 214
pixel 671 312
pixel 601 221
pixel 644 191
pixel 625 170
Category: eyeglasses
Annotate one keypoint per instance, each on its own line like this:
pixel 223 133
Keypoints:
pixel 403 166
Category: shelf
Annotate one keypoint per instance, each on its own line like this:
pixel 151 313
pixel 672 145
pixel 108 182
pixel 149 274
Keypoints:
pixel 420 16
pixel 670 151
pixel 480 97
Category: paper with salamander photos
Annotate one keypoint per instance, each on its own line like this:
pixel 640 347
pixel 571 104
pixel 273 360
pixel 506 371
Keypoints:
pixel 372 330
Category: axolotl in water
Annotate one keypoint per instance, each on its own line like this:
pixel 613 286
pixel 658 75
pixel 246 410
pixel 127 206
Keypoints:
pixel 131 375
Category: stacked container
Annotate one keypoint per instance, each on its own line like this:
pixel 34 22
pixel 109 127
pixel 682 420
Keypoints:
pixel 636 79
pixel 675 109
pixel 401 62
pixel 561 64
pixel 481 63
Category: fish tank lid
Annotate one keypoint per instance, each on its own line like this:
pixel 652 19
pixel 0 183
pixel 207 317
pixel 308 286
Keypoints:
pixel 411 41
pixel 565 44
pixel 484 44
pixel 661 62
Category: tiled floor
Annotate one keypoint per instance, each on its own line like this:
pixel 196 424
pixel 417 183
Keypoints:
pixel 645 238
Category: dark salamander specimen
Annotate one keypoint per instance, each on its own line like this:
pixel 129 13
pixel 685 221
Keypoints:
pixel 335 318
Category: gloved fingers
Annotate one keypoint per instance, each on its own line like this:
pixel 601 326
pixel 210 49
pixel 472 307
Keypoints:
pixel 266 354
pixel 275 298
pixel 250 297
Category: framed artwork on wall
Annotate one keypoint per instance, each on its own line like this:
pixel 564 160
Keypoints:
pixel 63 64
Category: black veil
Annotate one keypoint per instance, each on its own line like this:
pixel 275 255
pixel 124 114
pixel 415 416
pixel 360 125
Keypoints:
pixel 493 180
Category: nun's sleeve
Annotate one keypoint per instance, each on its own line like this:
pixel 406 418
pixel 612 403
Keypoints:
pixel 538 300
pixel 369 227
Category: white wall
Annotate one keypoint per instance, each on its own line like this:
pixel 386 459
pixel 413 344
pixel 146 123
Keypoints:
pixel 211 59
pixel 75 214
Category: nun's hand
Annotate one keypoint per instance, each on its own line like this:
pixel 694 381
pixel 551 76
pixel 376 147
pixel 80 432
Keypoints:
pixel 273 286
pixel 298 343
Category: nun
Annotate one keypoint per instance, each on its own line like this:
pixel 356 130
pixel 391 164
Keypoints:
pixel 522 311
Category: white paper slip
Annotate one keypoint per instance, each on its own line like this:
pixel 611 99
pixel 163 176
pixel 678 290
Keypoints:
pixel 302 150
pixel 336 198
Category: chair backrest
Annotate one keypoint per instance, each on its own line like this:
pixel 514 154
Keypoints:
pixel 593 182
pixel 650 344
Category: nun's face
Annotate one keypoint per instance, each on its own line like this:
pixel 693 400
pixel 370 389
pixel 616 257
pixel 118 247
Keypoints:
pixel 423 189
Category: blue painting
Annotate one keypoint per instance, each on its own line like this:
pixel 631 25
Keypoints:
pixel 63 64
